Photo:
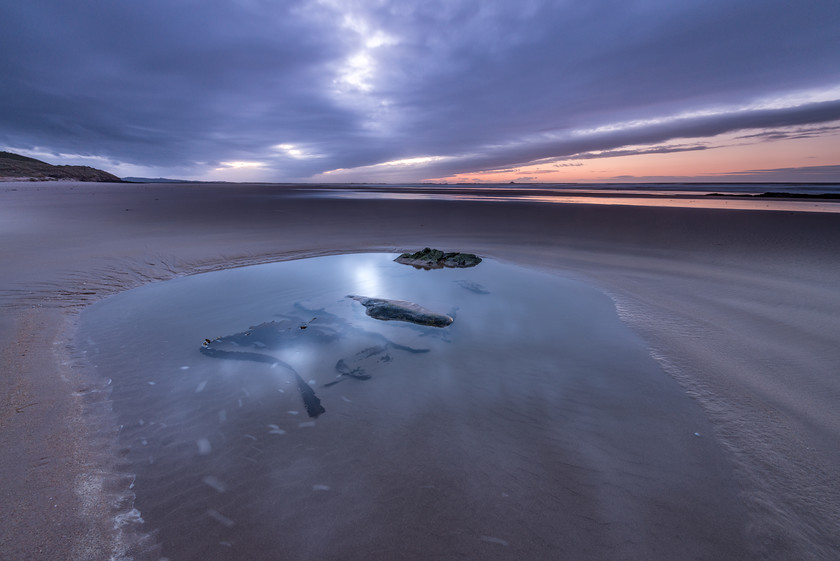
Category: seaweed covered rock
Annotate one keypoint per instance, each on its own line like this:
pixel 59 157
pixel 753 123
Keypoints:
pixel 436 259
pixel 401 310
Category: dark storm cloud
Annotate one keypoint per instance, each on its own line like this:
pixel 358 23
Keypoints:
pixel 188 84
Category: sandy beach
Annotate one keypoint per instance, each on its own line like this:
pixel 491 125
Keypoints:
pixel 740 307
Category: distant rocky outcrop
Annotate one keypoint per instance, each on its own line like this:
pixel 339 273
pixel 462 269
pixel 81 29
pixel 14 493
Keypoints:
pixel 22 168
pixel 436 259
pixel 401 310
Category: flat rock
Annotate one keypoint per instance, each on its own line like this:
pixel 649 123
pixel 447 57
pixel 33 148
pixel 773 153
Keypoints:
pixel 401 310
pixel 429 258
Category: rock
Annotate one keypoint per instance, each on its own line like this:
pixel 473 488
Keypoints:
pixel 436 259
pixel 401 310
pixel 460 260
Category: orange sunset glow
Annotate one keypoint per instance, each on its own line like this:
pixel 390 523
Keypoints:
pixel 724 158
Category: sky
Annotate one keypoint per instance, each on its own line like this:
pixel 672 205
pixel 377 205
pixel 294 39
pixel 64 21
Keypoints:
pixel 397 91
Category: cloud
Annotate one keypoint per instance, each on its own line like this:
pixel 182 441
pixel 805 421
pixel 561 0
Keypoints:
pixel 805 174
pixel 442 86
pixel 634 151
pixel 795 133
pixel 612 142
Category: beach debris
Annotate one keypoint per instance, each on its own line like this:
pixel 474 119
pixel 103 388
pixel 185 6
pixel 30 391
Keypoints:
pixel 401 310
pixel 19 409
pixel 429 258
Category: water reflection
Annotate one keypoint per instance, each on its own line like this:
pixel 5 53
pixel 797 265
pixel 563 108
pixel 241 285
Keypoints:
pixel 674 198
pixel 536 415
pixel 263 342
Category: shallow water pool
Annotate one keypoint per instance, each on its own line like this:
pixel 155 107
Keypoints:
pixel 535 425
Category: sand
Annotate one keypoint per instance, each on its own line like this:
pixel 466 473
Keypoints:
pixel 740 306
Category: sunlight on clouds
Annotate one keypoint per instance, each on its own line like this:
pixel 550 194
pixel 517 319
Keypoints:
pixel 358 71
pixel 379 39
pixel 675 157
pixel 237 170
pixel 390 171
pixel 356 76
pixel 412 161
pixel 293 151
pixel 239 165
pixel 796 99
pixel 784 101
pixel 708 159
pixel 373 38
pixel 375 171
pixel 290 150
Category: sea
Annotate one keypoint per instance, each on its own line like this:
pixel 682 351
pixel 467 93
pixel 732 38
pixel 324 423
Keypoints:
pixel 803 197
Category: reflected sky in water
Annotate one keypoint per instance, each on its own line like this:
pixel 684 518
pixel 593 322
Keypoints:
pixel 664 196
pixel 534 415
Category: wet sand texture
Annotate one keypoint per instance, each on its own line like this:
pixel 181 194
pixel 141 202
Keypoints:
pixel 741 307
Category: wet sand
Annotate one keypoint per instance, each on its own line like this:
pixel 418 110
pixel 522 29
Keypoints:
pixel 741 307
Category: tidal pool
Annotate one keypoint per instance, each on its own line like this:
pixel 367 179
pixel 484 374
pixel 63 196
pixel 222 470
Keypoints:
pixel 266 416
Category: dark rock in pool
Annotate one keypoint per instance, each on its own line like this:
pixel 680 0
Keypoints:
pixel 436 259
pixel 401 310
